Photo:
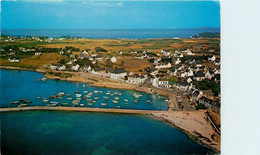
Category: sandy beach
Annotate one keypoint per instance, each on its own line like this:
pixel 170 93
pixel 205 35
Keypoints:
pixel 194 123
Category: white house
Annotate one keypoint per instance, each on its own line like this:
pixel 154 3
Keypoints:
pixel 38 53
pixel 113 59
pixel 14 59
pixel 118 73
pixel 213 58
pixel 136 79
pixel 61 68
pixel 61 52
pixel 190 53
pixel 76 67
pixel 163 83
pixel 54 66
pixel 69 63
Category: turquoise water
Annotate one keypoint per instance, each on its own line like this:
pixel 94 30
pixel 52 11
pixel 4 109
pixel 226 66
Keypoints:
pixel 16 85
pixel 53 132
pixel 111 33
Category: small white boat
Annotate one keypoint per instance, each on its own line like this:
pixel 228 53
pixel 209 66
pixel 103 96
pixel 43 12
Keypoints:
pixel 148 101
pixel 114 101
pixel 38 97
pixel 137 95
pixel 75 102
pixel 45 100
pixel 120 94
pixel 166 100
pixel 14 102
pixel 78 95
pixel 89 99
pixel 68 94
pixel 43 79
pixel 85 92
pixel 94 101
pixel 136 100
pixel 78 98
pixel 96 98
pixel 61 93
pixel 126 100
pixel 95 91
pixel 69 98
pixel 60 97
pixel 54 102
pixel 64 104
pixel 82 105
pixel 118 107
pixel 103 104
pixel 117 98
pixel 90 103
pixel 108 93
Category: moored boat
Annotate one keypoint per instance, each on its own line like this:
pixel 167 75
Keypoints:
pixel 114 101
pixel 103 104
pixel 69 98
pixel 64 104
pixel 45 100
pixel 27 101
pixel 68 94
pixel 14 102
pixel 126 100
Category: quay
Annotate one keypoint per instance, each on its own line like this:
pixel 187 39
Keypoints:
pixel 104 110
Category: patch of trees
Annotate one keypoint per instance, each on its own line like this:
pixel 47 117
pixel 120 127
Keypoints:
pixel 208 35
pixel 85 62
pixel 100 49
pixel 208 85
pixel 50 50
pixel 185 58
pixel 72 48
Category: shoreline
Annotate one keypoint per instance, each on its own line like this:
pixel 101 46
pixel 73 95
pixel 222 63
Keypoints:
pixel 166 116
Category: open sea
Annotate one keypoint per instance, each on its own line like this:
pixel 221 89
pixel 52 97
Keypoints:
pixel 55 132
pixel 111 33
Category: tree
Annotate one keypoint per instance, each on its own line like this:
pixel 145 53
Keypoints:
pixel 62 61
pixel 122 63
pixel 109 63
pixel 99 49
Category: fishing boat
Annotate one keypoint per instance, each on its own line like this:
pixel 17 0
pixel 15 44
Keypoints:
pixel 78 95
pixel 64 104
pixel 75 102
pixel 112 94
pixel 22 100
pixel 116 92
pixel 103 104
pixel 90 104
pixel 27 101
pixel 136 100
pixel 85 92
pixel 117 107
pixel 105 97
pixel 117 98
pixel 120 94
pixel 96 98
pixel 69 98
pixel 23 105
pixel 76 92
pixel 54 102
pixel 38 97
pixel 82 105
pixel 89 99
pixel 14 102
pixel 43 79
pixel 137 95
pixel 53 96
pixel 126 103
pixel 45 100
pixel 68 94
pixel 95 91
pixel 83 86
pixel 108 93
pixel 78 98
pixel 60 97
pixel 114 101
pixel 94 101
pixel 148 101
pixel 126 100
pixel 166 100
pixel 61 93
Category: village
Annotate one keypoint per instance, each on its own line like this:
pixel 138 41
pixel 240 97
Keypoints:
pixel 193 76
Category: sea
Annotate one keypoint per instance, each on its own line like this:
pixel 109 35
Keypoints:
pixel 60 132
pixel 111 33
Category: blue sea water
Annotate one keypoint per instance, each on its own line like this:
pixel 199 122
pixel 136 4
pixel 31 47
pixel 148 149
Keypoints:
pixel 53 132
pixel 111 33
pixel 16 85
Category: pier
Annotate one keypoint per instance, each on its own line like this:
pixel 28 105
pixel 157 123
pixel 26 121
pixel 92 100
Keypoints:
pixel 104 110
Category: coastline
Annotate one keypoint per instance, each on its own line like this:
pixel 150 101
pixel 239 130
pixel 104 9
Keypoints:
pixel 191 124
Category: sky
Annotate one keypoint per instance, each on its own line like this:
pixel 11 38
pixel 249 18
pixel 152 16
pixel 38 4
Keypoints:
pixel 62 14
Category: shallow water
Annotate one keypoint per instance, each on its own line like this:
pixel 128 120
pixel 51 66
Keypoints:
pixel 53 132
pixel 16 85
